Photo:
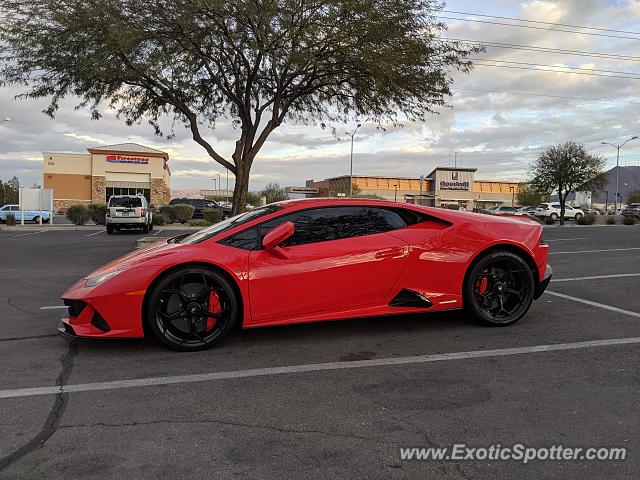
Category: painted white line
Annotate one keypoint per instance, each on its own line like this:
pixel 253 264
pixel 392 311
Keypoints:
pixel 158 232
pixel 95 233
pixel 564 239
pixel 25 234
pixel 595 251
pixel 595 277
pixel 595 304
pixel 52 307
pixel 312 367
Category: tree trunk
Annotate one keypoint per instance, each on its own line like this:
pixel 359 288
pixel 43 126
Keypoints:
pixel 240 189
pixel 563 199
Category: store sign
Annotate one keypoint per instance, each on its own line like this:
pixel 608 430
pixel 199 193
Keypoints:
pixel 122 159
pixel 307 190
pixel 456 181
pixel 453 185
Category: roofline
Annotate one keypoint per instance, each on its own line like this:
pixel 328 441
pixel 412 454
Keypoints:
pixel 457 169
pixel 129 152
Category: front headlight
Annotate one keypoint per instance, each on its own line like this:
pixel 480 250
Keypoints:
pixel 93 281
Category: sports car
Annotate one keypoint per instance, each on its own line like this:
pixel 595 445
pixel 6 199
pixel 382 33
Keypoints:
pixel 313 260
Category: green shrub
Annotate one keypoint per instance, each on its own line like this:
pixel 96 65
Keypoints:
pixel 10 219
pixel 78 214
pixel 549 220
pixel 169 213
pixel 199 223
pixel 184 212
pixel 212 215
pixel 159 219
pixel 97 212
pixel 586 219
pixel 629 220
pixel 611 219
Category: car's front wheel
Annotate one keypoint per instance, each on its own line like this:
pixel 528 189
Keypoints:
pixel 578 216
pixel 192 308
pixel 499 289
pixel 554 217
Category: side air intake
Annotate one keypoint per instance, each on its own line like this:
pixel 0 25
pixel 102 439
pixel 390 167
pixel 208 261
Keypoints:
pixel 409 298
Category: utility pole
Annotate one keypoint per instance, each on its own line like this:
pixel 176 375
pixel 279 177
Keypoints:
pixel 618 147
pixel 352 135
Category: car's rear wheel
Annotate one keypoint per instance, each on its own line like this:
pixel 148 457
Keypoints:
pixel 109 229
pixel 578 216
pixel 192 309
pixel 554 217
pixel 499 289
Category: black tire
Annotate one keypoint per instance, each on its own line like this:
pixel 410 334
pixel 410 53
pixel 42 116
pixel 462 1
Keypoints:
pixel 578 216
pixel 36 219
pixel 109 229
pixel 553 216
pixel 145 228
pixel 499 289
pixel 177 308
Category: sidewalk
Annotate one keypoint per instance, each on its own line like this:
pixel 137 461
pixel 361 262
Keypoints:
pixel 71 227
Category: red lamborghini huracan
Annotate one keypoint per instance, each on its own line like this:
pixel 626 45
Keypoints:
pixel 313 260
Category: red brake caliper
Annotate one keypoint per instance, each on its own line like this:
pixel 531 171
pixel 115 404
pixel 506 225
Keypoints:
pixel 483 284
pixel 214 306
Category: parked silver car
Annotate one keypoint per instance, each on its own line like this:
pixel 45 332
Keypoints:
pixel 128 211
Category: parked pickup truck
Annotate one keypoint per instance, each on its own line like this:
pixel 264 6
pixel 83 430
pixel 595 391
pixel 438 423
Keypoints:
pixel 32 215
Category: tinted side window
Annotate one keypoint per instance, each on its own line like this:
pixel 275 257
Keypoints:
pixel 247 239
pixel 383 220
pixel 323 224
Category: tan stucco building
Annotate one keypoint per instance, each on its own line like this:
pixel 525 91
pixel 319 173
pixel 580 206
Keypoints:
pixel 444 186
pixel 123 169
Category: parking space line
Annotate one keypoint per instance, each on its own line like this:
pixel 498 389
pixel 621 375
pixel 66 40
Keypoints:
pixel 158 232
pixel 26 234
pixel 595 304
pixel 312 367
pixel 564 239
pixel 595 251
pixel 52 307
pixel 595 277
pixel 95 233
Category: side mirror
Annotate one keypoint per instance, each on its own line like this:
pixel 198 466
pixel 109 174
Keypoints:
pixel 276 236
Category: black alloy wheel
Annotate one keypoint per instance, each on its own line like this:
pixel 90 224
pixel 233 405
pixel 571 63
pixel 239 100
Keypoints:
pixel 499 289
pixel 192 309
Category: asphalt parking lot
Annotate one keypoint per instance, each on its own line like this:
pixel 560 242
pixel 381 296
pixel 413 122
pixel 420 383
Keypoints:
pixel 334 400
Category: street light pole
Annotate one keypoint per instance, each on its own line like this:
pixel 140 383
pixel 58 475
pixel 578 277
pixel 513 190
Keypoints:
pixel 352 135
pixel 618 147
pixel 395 193
pixel 215 186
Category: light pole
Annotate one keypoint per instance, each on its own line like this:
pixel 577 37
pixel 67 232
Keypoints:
pixel 352 135
pixel 395 193
pixel 513 194
pixel 618 147
pixel 219 182
pixel 606 201
pixel 215 186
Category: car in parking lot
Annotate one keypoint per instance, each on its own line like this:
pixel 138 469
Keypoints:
pixel 313 260
pixel 199 204
pixel 128 211
pixel 552 210
pixel 503 210
pixel 29 215
pixel 529 210
pixel 633 210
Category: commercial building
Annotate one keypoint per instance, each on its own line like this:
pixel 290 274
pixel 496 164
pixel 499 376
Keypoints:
pixel 444 186
pixel 123 169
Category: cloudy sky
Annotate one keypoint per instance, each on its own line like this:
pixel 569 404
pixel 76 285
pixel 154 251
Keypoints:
pixel 498 119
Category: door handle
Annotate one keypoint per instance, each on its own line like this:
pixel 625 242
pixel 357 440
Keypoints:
pixel 394 252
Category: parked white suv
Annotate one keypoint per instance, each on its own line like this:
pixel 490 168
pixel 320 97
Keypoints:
pixel 552 210
pixel 128 211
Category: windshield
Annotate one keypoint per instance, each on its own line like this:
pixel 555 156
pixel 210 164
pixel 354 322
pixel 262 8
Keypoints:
pixel 229 223
pixel 128 202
